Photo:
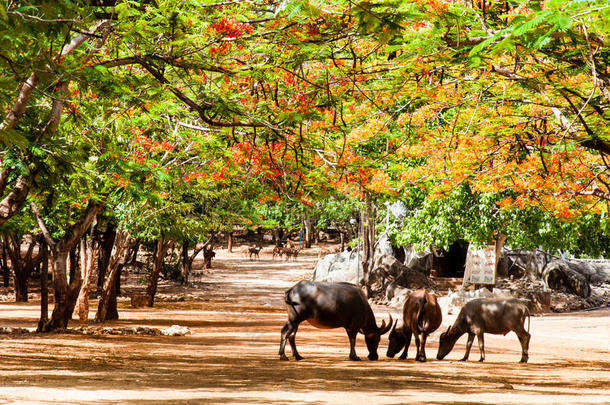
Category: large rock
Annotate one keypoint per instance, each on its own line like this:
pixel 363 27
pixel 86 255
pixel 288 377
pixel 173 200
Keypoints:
pixel 344 266
pixel 383 247
pixel 389 275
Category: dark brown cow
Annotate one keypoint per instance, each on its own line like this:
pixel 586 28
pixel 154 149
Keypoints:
pixel 495 316
pixel 421 316
pixel 331 305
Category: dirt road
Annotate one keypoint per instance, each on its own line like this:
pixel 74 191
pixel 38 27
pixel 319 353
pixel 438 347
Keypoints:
pixel 231 356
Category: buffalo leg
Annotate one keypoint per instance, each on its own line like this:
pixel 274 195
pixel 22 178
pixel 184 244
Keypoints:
pixel 481 345
pixel 351 334
pixel 417 346
pixel 293 345
pixel 288 331
pixel 468 346
pixel 407 334
pixel 421 348
pixel 524 339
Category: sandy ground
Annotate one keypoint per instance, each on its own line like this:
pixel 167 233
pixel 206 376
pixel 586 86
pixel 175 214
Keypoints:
pixel 231 356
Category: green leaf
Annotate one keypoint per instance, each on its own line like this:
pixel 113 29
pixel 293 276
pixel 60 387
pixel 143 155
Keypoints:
pixel 11 138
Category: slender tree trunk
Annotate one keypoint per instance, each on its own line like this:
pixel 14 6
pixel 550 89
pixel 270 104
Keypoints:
pixel 44 290
pixel 134 254
pixel 185 266
pixel 499 244
pixel 368 238
pixel 104 256
pixel 230 242
pixel 88 252
pixel 73 261
pixel 161 249
pixel 118 254
pixel 6 271
pixel 309 231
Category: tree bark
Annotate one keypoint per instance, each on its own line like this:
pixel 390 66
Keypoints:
pixel 161 249
pixel 119 252
pixel 44 290
pixel 309 231
pixel 88 252
pixel 367 221
pixel 104 257
pixel 65 292
pixel 230 242
pixel 499 244
pixel 6 271
pixel 22 265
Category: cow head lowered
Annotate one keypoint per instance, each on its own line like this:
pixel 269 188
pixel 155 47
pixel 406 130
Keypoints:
pixel 447 341
pixel 397 340
pixel 331 305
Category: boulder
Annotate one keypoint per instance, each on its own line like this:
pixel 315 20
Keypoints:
pixel 388 275
pixel 344 266
pixel 383 247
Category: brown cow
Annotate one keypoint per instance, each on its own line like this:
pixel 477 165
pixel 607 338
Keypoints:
pixel 495 316
pixel 421 316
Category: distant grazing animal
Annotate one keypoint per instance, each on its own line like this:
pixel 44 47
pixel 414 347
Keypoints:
pixel 481 316
pixel 140 300
pixel 421 316
pixel 291 252
pixel 253 251
pixel 331 305
pixel 277 251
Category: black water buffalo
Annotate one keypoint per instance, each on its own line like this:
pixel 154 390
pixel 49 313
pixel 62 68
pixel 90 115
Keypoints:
pixel 331 305
pixel 421 316
pixel 479 316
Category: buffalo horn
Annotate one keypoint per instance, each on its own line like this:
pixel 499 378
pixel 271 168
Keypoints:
pixel 385 328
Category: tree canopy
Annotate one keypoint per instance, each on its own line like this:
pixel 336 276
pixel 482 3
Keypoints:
pixel 188 117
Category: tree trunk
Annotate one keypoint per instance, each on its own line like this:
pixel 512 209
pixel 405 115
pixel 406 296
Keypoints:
pixel 230 242
pixel 499 244
pixel 22 265
pixel 368 238
pixel 88 256
pixel 161 249
pixel 66 293
pixel 104 256
pixel 44 290
pixel 6 271
pixel 309 231
pixel 185 264
pixel 118 254
pixel 134 253
pixel 73 261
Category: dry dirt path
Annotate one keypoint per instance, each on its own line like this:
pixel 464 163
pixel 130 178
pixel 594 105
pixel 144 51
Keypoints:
pixel 231 356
